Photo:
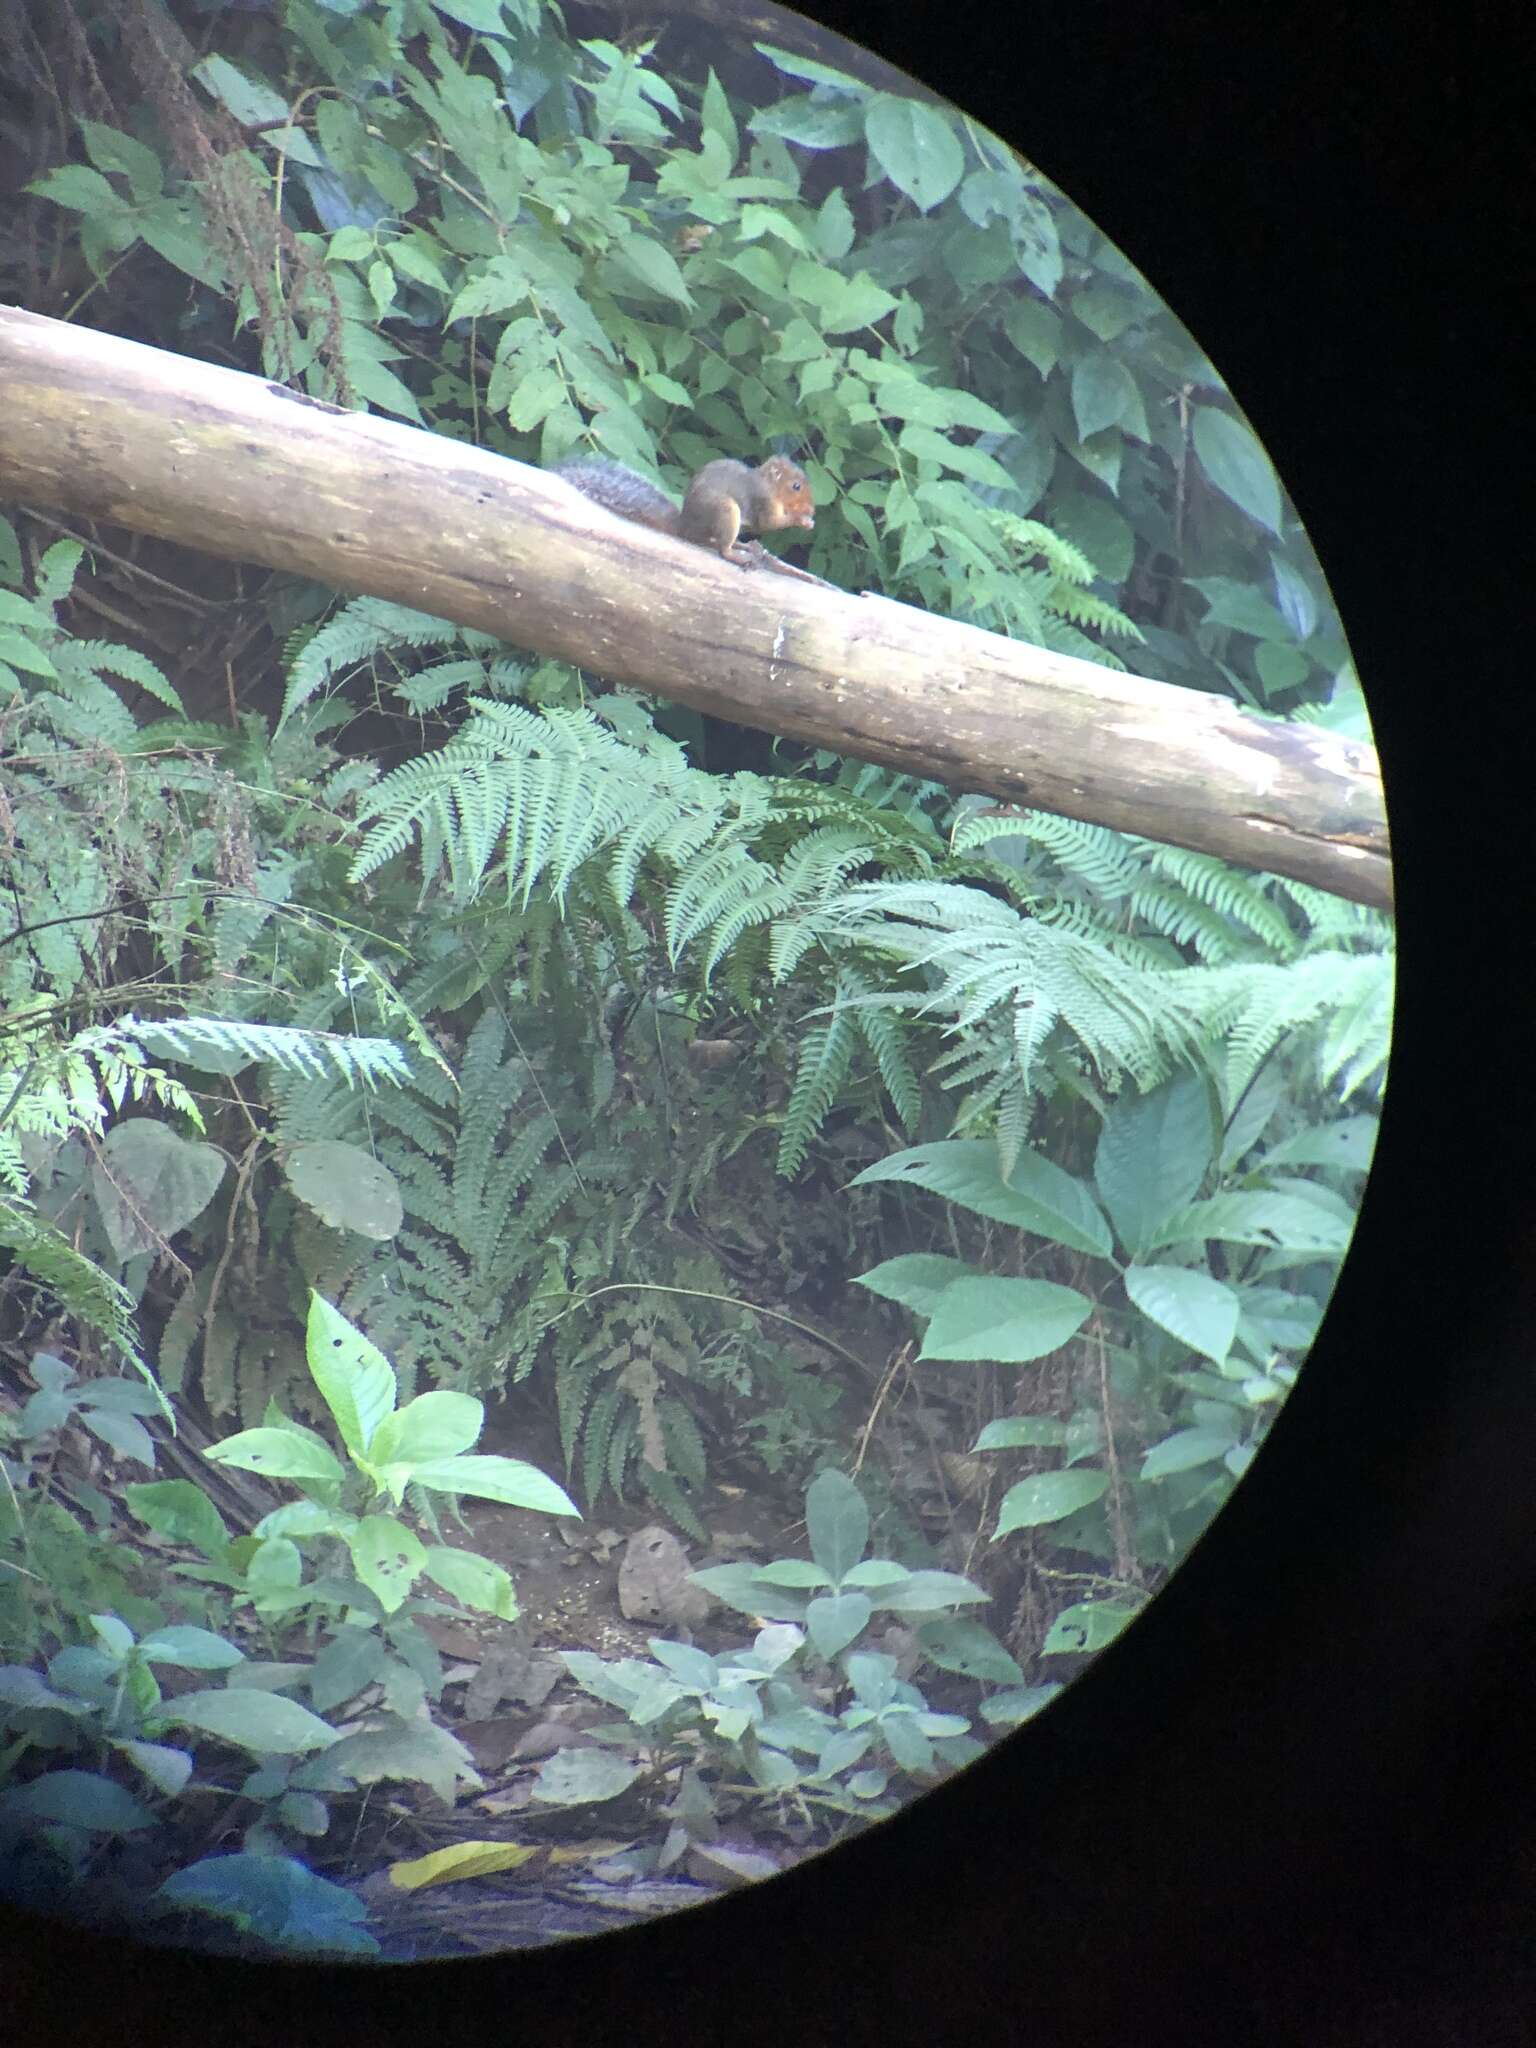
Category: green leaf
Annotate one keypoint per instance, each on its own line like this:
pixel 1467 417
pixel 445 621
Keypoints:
pixel 253 104
pixel 1037 1196
pixel 928 1592
pixel 1048 1497
pixel 193 1649
pixel 109 149
pixel 1185 1450
pixel 275 1897
pixel 915 1279
pixel 1009 1322
pixel 837 1523
pixel 435 1425
pixel 354 1376
pixel 1103 393
pixel 77 1799
pixel 1231 456
pixel 389 1558
pixel 263 1722
pixel 124 1434
pixel 347 1186
pixel 834 1620
pixel 959 1644
pixel 916 147
pixel 1285 1222
pixel 583 1777
pixel 150 1182
pixel 473 1579
pixel 653 267
pixel 1088 1626
pixel 1193 1307
pixel 1021 1432
pixel 277 1454
pixel 1153 1153
pixel 793 1571
pixel 1035 331
pixel 84 190
pixel 505 1479
pixel 166 1769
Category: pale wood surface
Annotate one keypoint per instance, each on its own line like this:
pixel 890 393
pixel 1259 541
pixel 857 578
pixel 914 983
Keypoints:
pixel 112 430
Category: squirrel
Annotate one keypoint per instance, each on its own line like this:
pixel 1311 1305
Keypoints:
pixel 724 499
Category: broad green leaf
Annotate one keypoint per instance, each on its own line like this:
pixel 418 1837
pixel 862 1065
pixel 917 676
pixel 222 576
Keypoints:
pixel 1020 1432
pixel 837 1522
pixel 435 1425
pixel 916 147
pixel 1006 1321
pixel 1153 1153
pixel 793 1571
pixel 583 1777
pixel 77 1799
pixel 834 1620
pixel 1048 1497
pixel 505 1479
pixel 915 1279
pixel 928 1592
pixel 276 1898
pixel 1186 1449
pixel 473 1579
pixel 354 1376
pixel 167 1769
pixel 739 1587
pixel 652 266
pixel 276 1454
pixel 1193 1307
pixel 389 1558
pixel 1038 1196
pixel 150 1182
pixel 193 1649
pixel 346 1187
pixel 124 1434
pixel 1035 331
pixel 1103 393
pixel 1231 456
pixel 960 1644
pixel 84 190
pixel 1090 1625
pixel 263 1722
pixel 253 104
pixel 1286 1222
pixel 1350 1143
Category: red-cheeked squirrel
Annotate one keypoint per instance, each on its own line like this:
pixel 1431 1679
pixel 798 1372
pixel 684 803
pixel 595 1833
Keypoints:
pixel 724 500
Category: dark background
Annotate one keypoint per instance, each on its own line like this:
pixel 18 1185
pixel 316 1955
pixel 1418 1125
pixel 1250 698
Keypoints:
pixel 1296 1804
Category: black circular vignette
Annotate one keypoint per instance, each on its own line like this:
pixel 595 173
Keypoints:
pixel 1294 1799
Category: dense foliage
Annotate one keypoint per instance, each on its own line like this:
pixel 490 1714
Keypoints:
pixel 574 1069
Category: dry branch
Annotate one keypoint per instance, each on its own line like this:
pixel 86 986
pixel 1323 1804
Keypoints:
pixel 222 461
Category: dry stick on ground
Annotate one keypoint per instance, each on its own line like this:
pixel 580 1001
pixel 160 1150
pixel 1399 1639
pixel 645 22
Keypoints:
pixel 225 462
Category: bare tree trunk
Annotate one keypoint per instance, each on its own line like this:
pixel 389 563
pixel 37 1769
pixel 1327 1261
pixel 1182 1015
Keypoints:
pixel 225 462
